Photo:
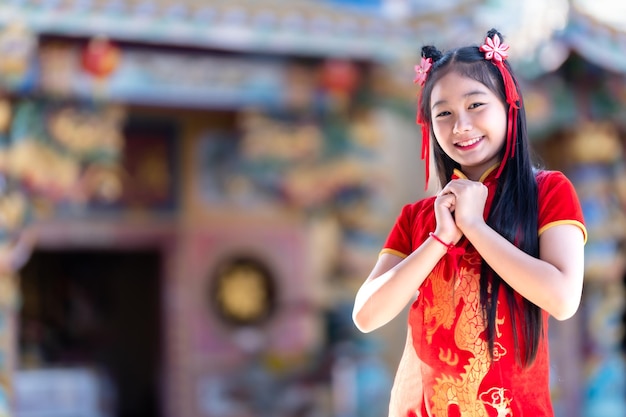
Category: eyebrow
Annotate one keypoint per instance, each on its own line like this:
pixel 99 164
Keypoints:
pixel 466 95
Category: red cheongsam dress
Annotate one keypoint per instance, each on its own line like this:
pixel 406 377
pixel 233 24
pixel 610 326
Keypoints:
pixel 446 369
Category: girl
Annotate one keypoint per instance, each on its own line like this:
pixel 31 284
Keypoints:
pixel 486 260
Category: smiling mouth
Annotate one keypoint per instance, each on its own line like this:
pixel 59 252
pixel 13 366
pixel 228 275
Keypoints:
pixel 468 142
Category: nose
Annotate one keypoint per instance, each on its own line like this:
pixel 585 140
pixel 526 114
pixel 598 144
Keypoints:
pixel 462 124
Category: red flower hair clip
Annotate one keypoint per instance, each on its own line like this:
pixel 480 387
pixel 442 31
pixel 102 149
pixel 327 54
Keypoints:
pixel 495 50
pixel 421 71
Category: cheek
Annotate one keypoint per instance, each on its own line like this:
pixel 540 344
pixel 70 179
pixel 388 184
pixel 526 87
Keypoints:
pixel 502 128
pixel 440 128
pixel 440 138
pixel 501 124
pixel 443 132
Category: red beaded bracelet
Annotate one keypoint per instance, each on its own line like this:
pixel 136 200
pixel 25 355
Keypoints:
pixel 450 246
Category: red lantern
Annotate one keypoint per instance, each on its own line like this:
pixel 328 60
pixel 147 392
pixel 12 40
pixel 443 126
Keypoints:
pixel 100 57
pixel 339 76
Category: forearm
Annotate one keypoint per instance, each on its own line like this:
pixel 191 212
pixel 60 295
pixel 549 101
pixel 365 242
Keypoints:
pixel 545 281
pixel 393 284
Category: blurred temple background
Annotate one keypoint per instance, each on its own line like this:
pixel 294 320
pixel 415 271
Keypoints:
pixel 191 191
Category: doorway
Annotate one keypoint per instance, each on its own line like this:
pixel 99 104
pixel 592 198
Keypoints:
pixel 97 309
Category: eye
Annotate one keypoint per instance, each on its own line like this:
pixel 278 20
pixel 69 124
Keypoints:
pixel 442 114
pixel 475 105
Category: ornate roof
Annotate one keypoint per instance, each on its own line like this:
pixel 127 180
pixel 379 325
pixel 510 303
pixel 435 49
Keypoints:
pixel 540 33
pixel 368 29
pixel 597 31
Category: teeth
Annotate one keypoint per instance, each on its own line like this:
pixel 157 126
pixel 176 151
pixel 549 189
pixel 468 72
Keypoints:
pixel 468 142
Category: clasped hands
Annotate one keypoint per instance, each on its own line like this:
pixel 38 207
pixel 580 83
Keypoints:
pixel 459 206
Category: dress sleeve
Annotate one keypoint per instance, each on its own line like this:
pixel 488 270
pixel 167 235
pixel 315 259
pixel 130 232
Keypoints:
pixel 558 202
pixel 411 228
pixel 399 239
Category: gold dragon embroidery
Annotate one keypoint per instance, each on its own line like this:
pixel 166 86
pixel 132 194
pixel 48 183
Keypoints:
pixel 463 391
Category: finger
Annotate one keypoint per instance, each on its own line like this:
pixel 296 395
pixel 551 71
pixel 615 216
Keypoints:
pixel 447 200
pixel 454 186
pixel 448 189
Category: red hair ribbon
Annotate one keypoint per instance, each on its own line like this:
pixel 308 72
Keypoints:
pixel 497 52
pixel 421 73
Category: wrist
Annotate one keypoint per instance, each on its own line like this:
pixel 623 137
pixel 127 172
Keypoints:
pixel 448 236
pixel 444 242
pixel 470 229
pixel 453 252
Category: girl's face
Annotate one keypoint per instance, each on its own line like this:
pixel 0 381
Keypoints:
pixel 469 122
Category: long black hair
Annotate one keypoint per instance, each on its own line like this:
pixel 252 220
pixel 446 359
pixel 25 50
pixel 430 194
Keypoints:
pixel 514 211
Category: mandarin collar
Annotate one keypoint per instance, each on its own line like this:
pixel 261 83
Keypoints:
pixel 488 176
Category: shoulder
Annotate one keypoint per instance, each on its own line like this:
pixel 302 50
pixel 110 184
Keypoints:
pixel 417 215
pixel 417 208
pixel 420 204
pixel 551 182
pixel 546 177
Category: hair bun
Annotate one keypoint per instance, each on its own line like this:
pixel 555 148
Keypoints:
pixel 431 52
pixel 493 32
